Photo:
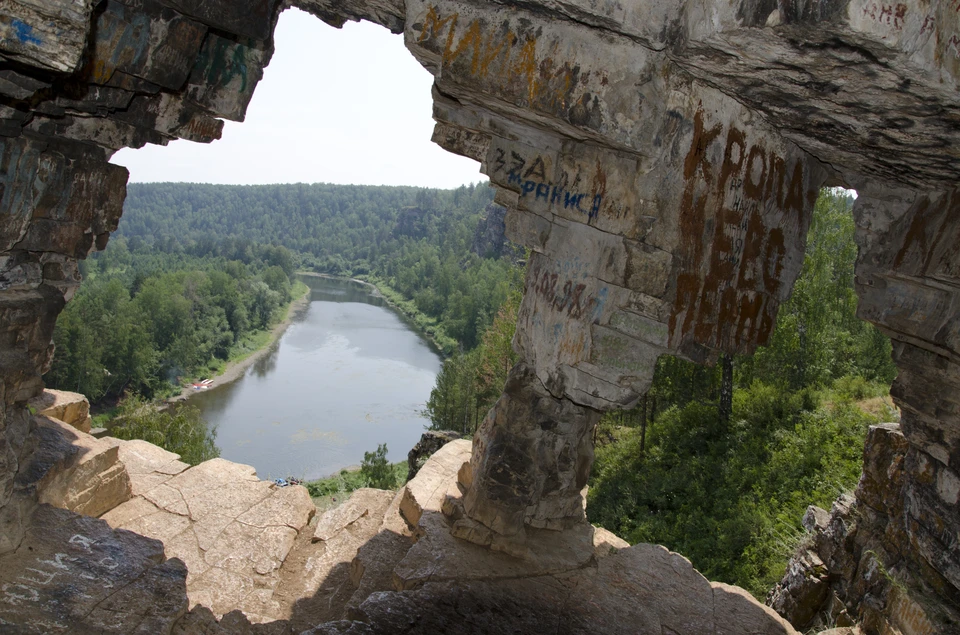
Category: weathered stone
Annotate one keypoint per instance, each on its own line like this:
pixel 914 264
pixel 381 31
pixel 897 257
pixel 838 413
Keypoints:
pixel 426 491
pixel 363 503
pixel 531 459
pixel 148 465
pixel 69 407
pixel 815 519
pixel 372 570
pixel 430 441
pixel 232 530
pixel 803 589
pixel 146 40
pixel 19 87
pixel 74 574
pixel 48 34
pixel 89 480
pixel 388 13
pixel 224 75
pixel 655 592
pixel 253 19
pixel 316 580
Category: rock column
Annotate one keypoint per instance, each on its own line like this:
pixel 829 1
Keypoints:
pixel 678 231
pixel 908 280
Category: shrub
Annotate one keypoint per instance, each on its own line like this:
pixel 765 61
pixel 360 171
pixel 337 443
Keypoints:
pixel 376 470
pixel 180 430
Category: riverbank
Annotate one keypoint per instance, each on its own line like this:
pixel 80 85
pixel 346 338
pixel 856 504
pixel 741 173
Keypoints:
pixel 327 276
pixel 425 325
pixel 237 367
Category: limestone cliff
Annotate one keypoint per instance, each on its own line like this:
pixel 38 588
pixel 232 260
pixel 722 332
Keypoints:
pixel 659 159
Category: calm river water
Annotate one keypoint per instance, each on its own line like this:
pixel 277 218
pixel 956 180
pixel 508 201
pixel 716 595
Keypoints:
pixel 347 375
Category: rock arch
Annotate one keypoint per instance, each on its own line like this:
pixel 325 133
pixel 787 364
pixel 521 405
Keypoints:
pixel 661 161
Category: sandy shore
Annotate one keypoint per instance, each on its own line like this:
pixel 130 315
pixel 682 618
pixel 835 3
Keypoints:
pixel 235 370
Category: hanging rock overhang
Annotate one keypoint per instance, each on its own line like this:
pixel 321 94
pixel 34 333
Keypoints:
pixel 660 159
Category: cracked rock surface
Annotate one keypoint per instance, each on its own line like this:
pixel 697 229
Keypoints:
pixel 232 530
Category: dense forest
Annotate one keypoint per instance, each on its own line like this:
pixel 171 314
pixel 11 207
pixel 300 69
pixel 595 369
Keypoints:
pixel 146 320
pixel 417 244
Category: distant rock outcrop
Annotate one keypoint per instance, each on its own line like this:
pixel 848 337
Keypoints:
pixel 430 441
pixel 490 239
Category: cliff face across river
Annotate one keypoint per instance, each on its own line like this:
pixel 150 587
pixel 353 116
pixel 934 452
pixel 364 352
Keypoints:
pixel 347 374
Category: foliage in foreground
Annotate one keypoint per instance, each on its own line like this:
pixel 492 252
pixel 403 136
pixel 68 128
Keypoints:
pixel 180 430
pixel 376 470
pixel 726 484
pixel 730 496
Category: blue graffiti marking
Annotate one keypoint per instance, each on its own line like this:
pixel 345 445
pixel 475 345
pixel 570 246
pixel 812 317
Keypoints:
pixel 556 195
pixel 25 32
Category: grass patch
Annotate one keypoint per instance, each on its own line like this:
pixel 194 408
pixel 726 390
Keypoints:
pixel 329 492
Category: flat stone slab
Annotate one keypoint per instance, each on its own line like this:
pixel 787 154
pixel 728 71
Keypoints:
pixel 315 579
pixel 232 530
pixel 363 503
pixel 75 574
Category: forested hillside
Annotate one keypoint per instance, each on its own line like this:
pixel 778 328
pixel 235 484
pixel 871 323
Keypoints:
pixel 196 274
pixel 415 242
pixel 144 319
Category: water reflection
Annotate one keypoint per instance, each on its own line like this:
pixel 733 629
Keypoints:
pixel 348 374
pixel 266 364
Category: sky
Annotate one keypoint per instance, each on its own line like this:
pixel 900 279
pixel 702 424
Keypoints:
pixel 347 106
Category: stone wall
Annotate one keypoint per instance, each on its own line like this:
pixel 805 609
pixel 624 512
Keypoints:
pixel 660 159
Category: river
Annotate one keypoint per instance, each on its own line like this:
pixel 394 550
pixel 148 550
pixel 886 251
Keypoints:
pixel 349 373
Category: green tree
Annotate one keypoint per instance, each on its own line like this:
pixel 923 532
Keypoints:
pixel 180 430
pixel 376 470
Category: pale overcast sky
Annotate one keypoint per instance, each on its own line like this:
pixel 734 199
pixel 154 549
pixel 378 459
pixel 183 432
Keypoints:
pixel 344 105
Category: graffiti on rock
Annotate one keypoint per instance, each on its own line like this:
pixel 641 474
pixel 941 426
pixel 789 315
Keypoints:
pixel 511 57
pixel 737 216
pixel 563 192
